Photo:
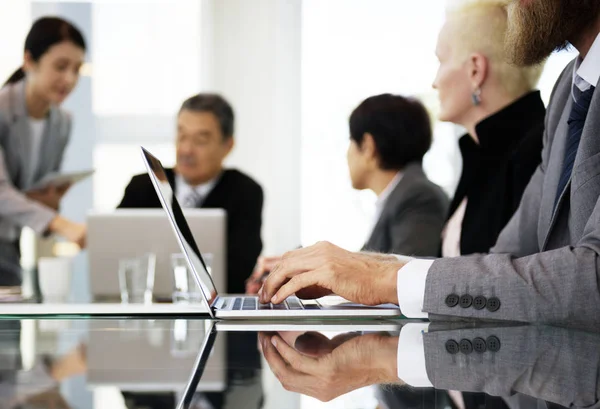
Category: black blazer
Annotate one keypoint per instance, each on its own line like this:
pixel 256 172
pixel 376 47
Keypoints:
pixel 497 170
pixel 240 196
pixel 412 218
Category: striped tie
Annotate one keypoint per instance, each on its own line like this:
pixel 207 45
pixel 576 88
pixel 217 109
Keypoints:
pixel 579 112
pixel 192 200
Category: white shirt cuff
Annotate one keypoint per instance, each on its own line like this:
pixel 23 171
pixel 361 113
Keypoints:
pixel 411 356
pixel 411 288
pixel 404 259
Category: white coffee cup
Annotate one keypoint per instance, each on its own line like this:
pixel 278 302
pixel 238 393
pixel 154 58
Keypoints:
pixel 54 274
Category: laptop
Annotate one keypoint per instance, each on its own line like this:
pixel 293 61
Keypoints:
pixel 104 252
pixel 245 307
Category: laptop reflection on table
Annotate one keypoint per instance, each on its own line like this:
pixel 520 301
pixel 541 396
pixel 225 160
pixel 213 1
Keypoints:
pixel 338 326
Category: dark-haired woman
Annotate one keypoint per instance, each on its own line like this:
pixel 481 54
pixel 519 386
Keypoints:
pixel 34 132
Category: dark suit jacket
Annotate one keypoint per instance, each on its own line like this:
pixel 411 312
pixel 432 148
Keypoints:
pixel 412 219
pixel 497 170
pixel 242 199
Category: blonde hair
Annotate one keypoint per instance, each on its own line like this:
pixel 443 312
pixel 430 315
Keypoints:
pixel 480 26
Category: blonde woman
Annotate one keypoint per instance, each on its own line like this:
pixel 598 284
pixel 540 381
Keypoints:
pixel 503 114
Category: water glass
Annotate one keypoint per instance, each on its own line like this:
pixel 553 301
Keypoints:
pixel 136 279
pixel 186 289
pixel 54 275
pixel 186 336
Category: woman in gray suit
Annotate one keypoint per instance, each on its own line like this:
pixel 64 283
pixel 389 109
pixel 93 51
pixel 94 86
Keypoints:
pixel 34 132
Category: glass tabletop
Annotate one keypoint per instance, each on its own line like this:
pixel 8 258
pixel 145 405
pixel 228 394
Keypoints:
pixel 196 363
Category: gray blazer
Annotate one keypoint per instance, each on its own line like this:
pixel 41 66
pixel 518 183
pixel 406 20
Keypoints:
pixel 16 174
pixel 528 363
pixel 413 217
pixel 546 269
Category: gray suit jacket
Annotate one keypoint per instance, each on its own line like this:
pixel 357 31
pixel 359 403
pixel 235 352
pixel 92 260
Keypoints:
pixel 16 173
pixel 546 363
pixel 413 217
pixel 546 269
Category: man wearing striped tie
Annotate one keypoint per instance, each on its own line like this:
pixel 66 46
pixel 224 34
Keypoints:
pixel 205 128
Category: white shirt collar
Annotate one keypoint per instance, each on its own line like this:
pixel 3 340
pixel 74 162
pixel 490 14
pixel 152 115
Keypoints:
pixel 383 197
pixel 587 70
pixel 183 189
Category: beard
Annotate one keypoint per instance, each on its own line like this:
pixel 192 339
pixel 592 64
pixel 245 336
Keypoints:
pixel 538 27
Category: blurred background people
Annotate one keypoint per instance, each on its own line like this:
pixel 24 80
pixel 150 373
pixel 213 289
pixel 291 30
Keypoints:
pixel 205 129
pixel 389 135
pixel 34 132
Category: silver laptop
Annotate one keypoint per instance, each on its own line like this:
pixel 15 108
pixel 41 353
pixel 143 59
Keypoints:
pixel 104 252
pixel 244 307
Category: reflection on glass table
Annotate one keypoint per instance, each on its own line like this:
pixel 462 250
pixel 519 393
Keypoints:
pixel 117 364
pixel 524 366
pixel 159 355
pixel 176 363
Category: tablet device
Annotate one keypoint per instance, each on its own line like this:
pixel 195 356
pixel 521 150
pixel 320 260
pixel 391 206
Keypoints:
pixel 59 179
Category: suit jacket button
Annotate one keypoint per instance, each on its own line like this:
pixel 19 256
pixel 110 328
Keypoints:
pixel 479 345
pixel 466 347
pixel 466 301
pixel 479 302
pixel 452 300
pixel 452 347
pixel 493 344
pixel 493 304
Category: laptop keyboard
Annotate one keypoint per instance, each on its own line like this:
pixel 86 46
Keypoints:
pixel 290 303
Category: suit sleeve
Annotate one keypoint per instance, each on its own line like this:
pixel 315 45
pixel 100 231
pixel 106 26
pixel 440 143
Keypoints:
pixel 554 287
pixel 16 207
pixel 416 228
pixel 244 238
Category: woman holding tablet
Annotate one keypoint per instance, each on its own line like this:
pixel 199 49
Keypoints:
pixel 34 132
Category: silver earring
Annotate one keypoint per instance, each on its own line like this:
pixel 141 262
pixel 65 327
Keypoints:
pixel 476 97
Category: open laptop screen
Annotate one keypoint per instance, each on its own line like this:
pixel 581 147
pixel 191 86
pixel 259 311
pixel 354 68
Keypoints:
pixel 180 226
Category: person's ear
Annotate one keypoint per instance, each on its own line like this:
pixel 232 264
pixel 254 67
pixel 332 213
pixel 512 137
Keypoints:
pixel 28 63
pixel 477 69
pixel 368 147
pixel 229 145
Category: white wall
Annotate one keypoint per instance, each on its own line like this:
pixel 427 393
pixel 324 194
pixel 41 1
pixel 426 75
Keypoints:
pixel 255 54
